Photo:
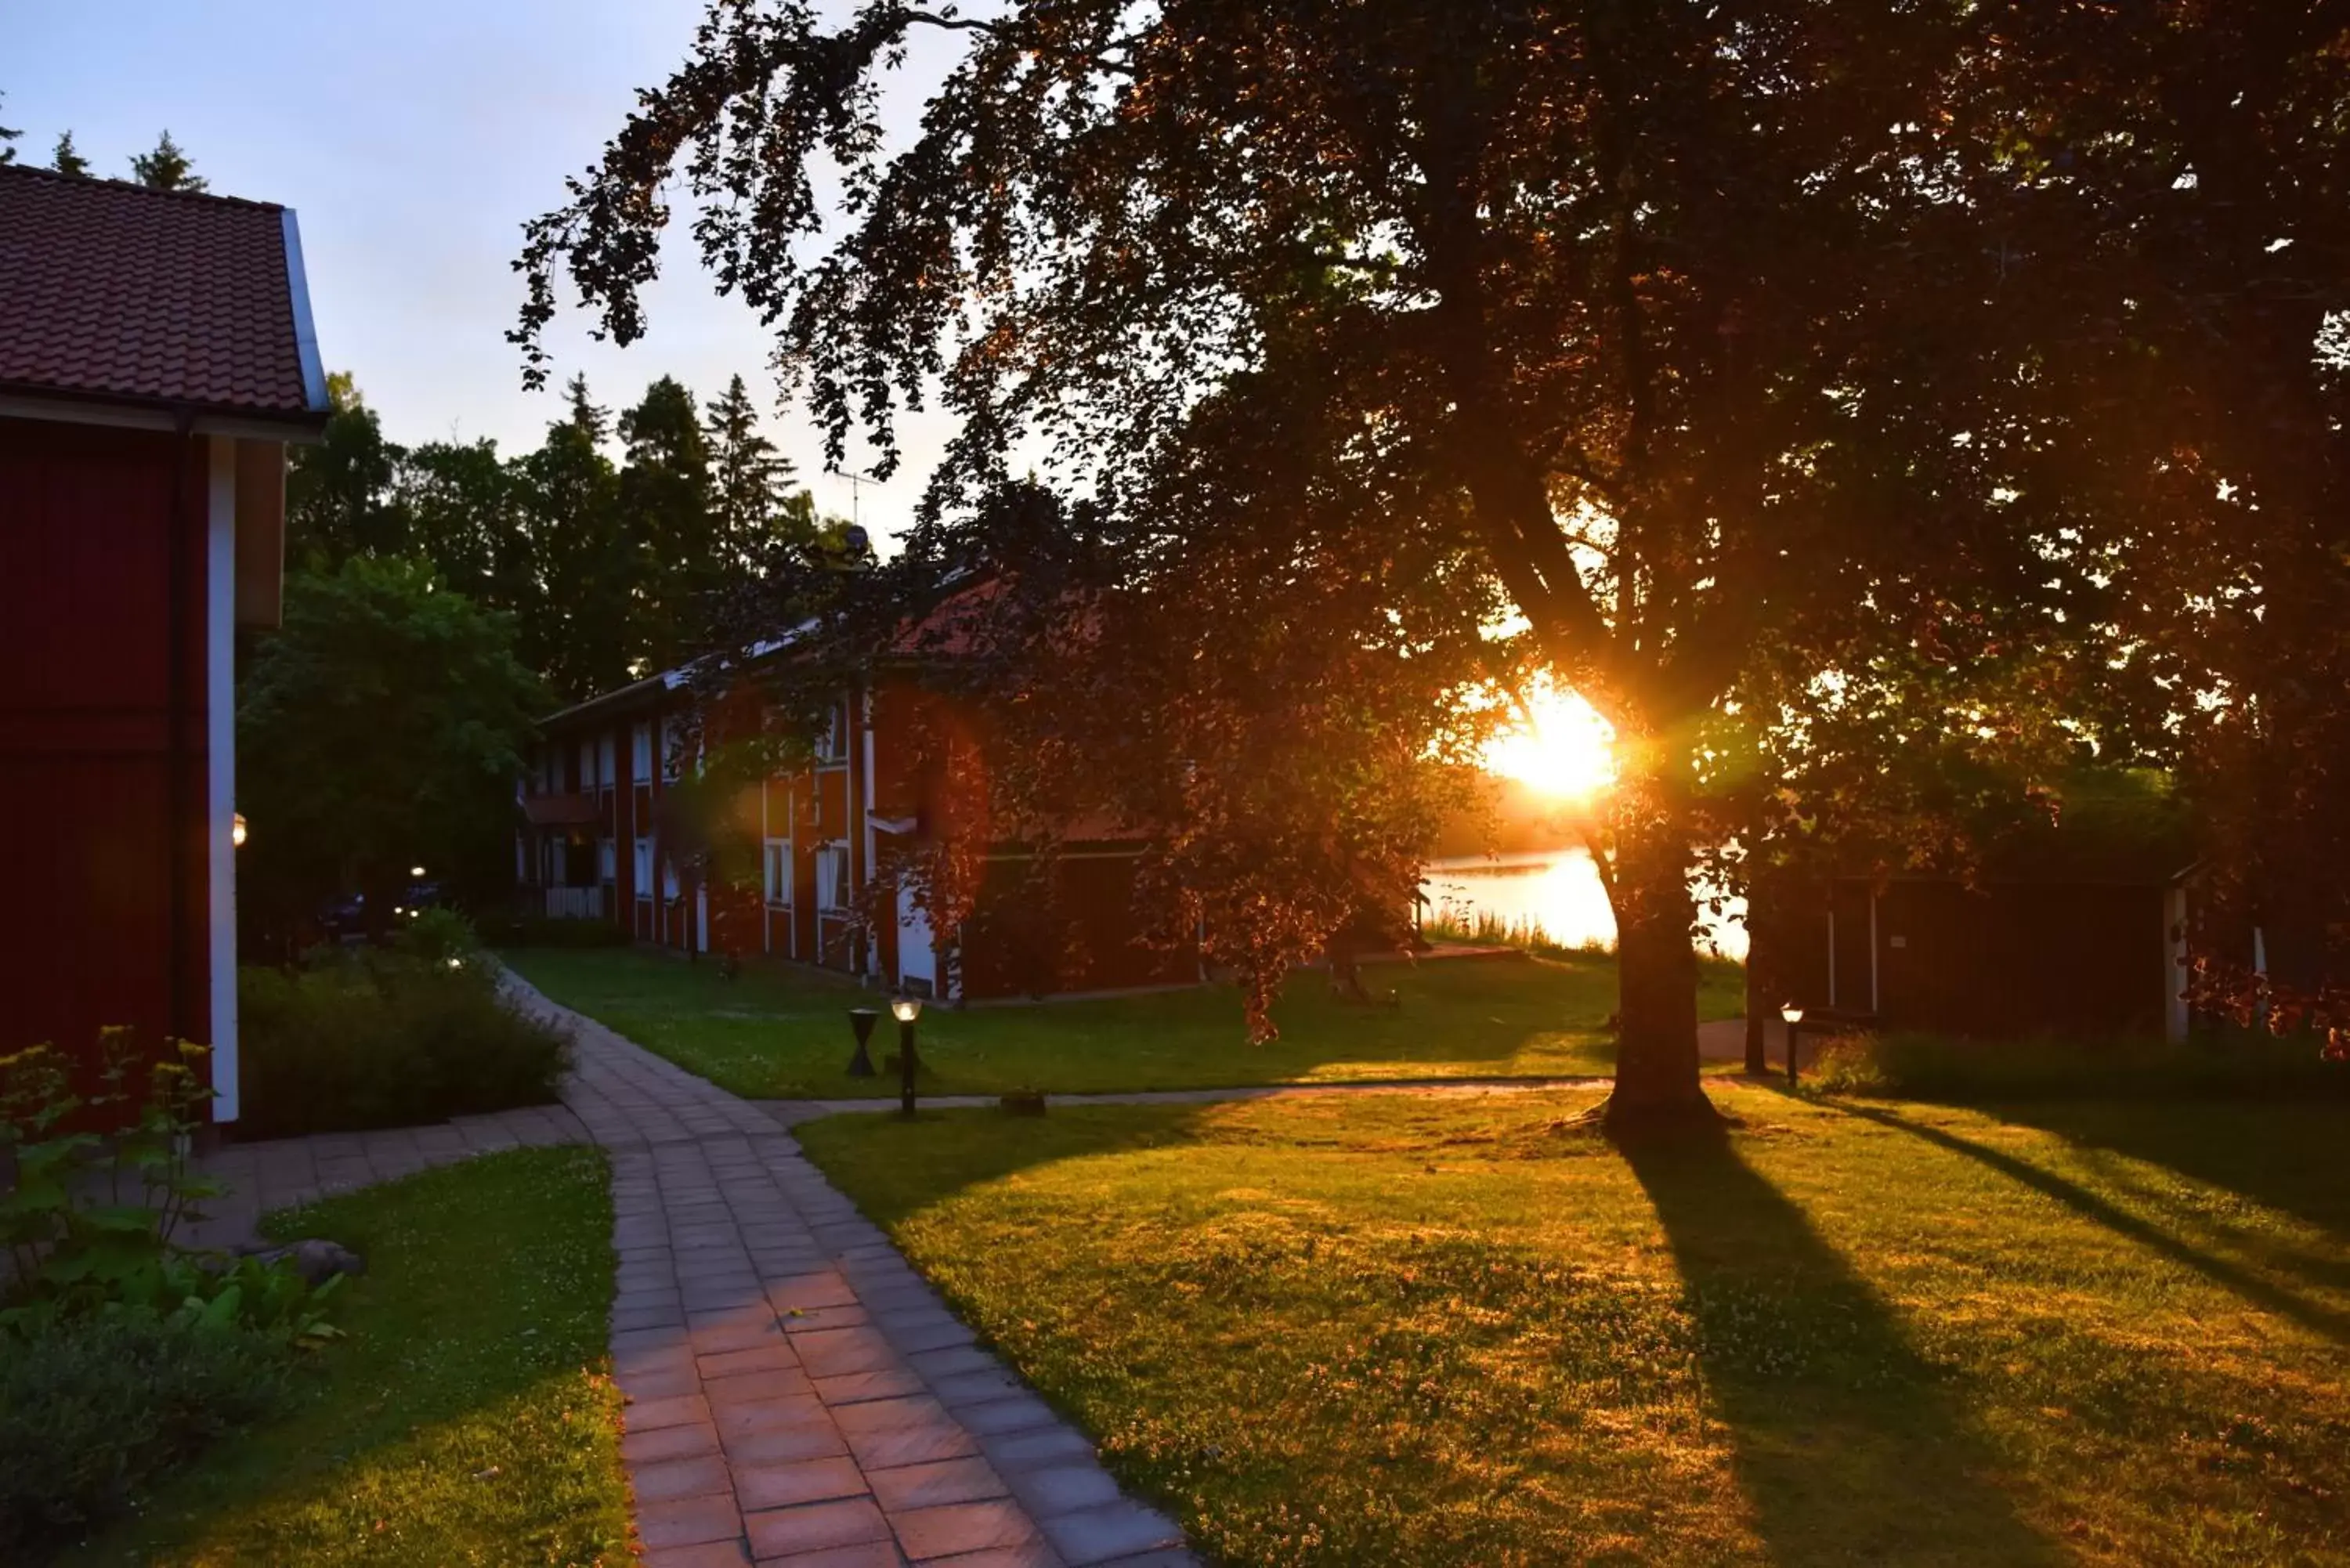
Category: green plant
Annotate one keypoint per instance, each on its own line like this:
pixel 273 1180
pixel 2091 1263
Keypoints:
pixel 95 1407
pixel 436 936
pixel 470 1417
pixel 89 1222
pixel 387 1039
pixel 91 1217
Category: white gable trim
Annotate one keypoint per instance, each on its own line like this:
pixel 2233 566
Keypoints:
pixel 306 331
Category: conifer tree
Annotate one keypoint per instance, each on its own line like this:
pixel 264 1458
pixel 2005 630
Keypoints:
pixel 67 158
pixel 167 167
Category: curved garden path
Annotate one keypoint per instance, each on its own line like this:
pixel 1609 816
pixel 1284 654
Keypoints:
pixel 797 1395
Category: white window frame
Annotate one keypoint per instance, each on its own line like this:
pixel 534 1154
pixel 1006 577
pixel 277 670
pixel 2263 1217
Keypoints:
pixel 831 744
pixel 832 889
pixel 668 878
pixel 644 868
pixel 640 752
pixel 776 870
pixel 605 756
pixel 587 778
pixel 608 860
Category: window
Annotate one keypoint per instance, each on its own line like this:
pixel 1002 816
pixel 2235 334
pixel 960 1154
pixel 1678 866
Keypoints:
pixel 546 770
pixel 608 860
pixel 832 876
pixel 640 752
pixel 587 779
pixel 673 749
pixel 644 868
pixel 779 873
pixel 668 878
pixel 604 773
pixel 830 744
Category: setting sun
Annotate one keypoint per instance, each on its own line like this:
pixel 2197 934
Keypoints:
pixel 1566 750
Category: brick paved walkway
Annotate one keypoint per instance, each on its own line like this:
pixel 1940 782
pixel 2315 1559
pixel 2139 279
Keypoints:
pixel 797 1395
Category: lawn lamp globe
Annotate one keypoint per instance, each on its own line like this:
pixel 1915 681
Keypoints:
pixel 1793 1013
pixel 237 830
pixel 905 1010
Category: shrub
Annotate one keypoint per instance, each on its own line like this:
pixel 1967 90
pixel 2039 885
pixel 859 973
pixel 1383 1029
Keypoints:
pixel 2232 1065
pixel 120 1356
pixel 377 1038
pixel 93 1409
pixel 538 932
pixel 436 936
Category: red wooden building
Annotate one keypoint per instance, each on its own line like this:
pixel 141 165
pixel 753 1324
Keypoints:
pixel 832 836
pixel 156 357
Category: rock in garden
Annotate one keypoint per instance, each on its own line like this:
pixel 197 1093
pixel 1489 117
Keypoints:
pixel 316 1258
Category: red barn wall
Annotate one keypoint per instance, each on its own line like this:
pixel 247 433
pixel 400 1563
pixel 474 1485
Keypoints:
pixel 89 681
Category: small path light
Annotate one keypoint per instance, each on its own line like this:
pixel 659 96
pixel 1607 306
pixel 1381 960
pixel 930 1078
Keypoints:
pixel 906 1009
pixel 236 829
pixel 1793 1015
pixel 860 1023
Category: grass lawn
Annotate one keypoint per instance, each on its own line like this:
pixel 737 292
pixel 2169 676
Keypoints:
pixel 1418 1332
pixel 782 1033
pixel 467 1419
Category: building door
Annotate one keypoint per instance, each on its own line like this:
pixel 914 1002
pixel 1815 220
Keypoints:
pixel 918 959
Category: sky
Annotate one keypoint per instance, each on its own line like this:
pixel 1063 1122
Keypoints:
pixel 414 140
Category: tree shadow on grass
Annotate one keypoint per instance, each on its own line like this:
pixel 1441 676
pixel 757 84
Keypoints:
pixel 2254 1288
pixel 2286 1157
pixel 1849 1446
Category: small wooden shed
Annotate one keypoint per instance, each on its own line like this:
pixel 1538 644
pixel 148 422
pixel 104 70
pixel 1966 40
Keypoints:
pixel 2079 930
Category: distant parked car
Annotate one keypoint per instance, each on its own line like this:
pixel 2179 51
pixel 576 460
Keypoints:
pixel 343 918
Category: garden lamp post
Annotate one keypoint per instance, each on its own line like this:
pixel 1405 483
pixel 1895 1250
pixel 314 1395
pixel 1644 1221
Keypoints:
pixel 906 1009
pixel 860 1023
pixel 1793 1015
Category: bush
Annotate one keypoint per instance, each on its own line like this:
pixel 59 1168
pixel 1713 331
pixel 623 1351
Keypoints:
pixel 376 1039
pixel 94 1408
pixel 538 932
pixel 2232 1065
pixel 436 935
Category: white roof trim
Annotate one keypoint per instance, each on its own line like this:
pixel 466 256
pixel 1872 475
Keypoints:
pixel 306 331
pixel 138 417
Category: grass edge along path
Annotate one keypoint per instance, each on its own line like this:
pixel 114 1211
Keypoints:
pixel 781 1032
pixel 1395 1329
pixel 468 1419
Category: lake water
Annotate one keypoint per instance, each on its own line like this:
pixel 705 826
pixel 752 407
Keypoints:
pixel 1558 890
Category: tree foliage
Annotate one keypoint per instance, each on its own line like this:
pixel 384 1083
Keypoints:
pixel 379 727
pixel 1812 380
pixel 67 158
pixel 604 563
pixel 166 167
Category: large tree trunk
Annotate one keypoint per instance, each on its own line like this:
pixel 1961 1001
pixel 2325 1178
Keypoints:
pixel 1656 1053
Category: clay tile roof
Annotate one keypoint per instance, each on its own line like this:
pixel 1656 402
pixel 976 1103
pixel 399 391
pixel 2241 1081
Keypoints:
pixel 115 293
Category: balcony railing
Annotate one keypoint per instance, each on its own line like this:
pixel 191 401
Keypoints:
pixel 575 903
